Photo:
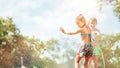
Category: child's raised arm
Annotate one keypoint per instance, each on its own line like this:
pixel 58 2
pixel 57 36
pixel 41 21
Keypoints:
pixel 69 33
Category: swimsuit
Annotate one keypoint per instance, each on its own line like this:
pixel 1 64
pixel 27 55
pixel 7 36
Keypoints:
pixel 96 50
pixel 89 35
pixel 87 49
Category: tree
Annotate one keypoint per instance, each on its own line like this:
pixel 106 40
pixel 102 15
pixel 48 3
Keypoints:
pixel 116 8
pixel 108 44
pixel 14 45
pixel 114 3
pixel 7 30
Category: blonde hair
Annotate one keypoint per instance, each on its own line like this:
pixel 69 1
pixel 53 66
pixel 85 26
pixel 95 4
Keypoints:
pixel 81 17
pixel 93 19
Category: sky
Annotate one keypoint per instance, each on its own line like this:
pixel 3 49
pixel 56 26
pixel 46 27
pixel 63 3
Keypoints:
pixel 43 18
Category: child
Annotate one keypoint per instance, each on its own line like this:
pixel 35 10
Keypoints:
pixel 96 34
pixel 85 33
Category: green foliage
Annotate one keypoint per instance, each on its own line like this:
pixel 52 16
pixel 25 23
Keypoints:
pixel 116 8
pixel 114 3
pixel 13 46
pixel 7 30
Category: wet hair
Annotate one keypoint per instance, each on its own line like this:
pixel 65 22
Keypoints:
pixel 80 17
pixel 93 19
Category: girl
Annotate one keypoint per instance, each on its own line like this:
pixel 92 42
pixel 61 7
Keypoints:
pixel 85 33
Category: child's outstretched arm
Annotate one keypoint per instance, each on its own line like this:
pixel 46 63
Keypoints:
pixel 69 33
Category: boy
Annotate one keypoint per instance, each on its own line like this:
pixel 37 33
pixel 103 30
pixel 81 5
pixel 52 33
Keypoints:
pixel 96 35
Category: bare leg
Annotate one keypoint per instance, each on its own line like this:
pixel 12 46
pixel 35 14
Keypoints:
pixel 90 62
pixel 86 62
pixel 77 60
pixel 95 60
